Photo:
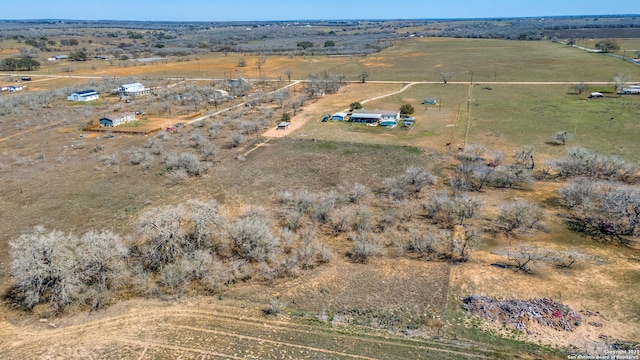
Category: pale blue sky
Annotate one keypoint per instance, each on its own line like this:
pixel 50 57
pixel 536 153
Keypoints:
pixel 242 10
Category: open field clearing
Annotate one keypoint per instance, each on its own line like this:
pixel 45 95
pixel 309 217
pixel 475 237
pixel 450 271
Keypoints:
pixel 329 240
pixel 217 330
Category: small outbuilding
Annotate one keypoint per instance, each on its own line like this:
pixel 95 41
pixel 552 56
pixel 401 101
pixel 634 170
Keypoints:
pixel 339 116
pixel 430 101
pixel 284 125
pixel 86 95
pixel 112 121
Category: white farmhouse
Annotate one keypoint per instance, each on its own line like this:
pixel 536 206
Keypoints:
pixel 135 89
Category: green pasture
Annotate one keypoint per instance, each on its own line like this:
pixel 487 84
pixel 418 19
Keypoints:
pixel 521 115
pixel 491 60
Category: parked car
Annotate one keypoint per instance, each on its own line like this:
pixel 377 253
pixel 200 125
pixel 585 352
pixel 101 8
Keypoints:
pixel 595 95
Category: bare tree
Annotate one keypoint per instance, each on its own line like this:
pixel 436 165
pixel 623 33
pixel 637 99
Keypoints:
pixel 363 76
pixel 525 257
pixel 444 76
pixel 524 156
pixel 562 137
pixel 262 59
pixel 619 81
pixel 281 97
pixel 288 73
pixel 580 87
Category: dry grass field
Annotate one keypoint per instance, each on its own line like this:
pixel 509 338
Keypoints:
pixel 395 306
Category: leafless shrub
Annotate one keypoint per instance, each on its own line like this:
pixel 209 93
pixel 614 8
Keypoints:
pixel 520 215
pixel 586 163
pixel 407 210
pixel 135 156
pixel 191 164
pixel 424 243
pixel 171 161
pixel 472 152
pixel 410 183
pixel 365 245
pixel 150 143
pixel 161 236
pixel 275 307
pixel 251 236
pixel 208 226
pixel 110 159
pixel 496 158
pixel 285 197
pixel 175 276
pixel 177 177
pixel 356 192
pixel 362 219
pixel 449 210
pixel 235 139
pixel 209 152
pixel 197 139
pixel 293 219
pixel 607 210
pixel 562 137
pixel 304 200
pixel 470 175
pixel 323 206
pixel 44 270
pixel 508 176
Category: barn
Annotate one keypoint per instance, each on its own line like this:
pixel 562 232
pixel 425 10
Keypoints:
pixel 86 95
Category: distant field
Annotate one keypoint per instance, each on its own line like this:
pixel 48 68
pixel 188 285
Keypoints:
pixel 418 59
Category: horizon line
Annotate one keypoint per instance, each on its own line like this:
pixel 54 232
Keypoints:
pixel 327 20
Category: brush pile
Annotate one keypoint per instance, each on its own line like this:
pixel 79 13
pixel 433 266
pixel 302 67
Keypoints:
pixel 521 314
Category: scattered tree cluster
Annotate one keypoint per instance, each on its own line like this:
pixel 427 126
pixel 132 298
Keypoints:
pixel 19 64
